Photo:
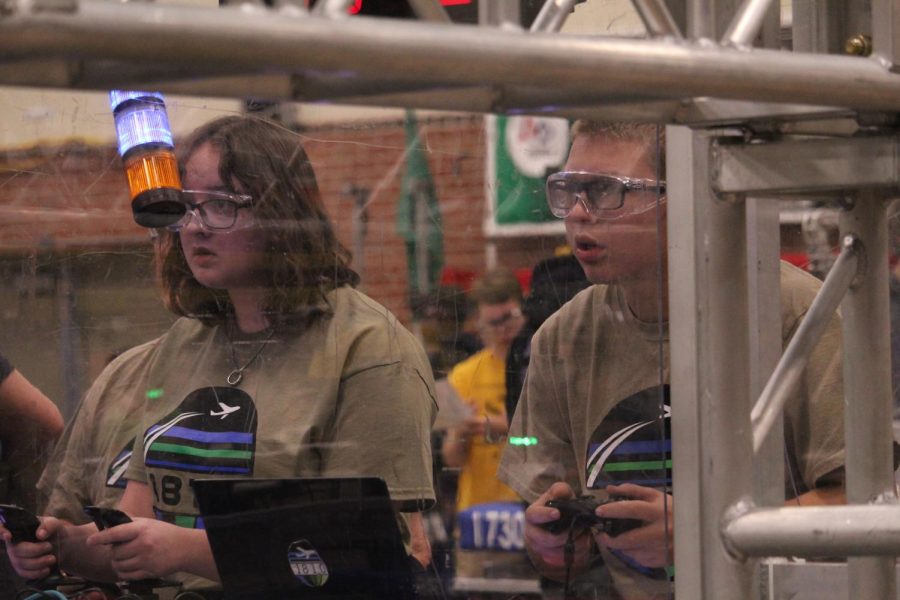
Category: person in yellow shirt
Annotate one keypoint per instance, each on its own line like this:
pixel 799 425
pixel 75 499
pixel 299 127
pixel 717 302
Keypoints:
pixel 475 445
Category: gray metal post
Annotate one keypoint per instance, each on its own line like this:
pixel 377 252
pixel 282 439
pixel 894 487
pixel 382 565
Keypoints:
pixel 747 23
pixel 867 385
pixel 790 369
pixel 710 375
pixel 334 9
pixel 709 18
pixel 657 18
pixel 500 13
pixel 552 15
pixel 886 31
pixel 818 26
pixel 430 10
pixel 763 250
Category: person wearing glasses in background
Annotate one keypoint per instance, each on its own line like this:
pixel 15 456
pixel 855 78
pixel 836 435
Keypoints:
pixel 474 446
pixel 596 400
pixel 276 358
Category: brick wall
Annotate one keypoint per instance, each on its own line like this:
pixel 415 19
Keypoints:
pixel 75 198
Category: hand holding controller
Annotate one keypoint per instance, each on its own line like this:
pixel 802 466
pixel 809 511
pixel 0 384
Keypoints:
pixel 581 512
pixel 106 517
pixel 21 523
pixel 23 526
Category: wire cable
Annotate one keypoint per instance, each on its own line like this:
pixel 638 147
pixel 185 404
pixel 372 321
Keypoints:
pixel 437 578
pixel 569 558
pixel 41 595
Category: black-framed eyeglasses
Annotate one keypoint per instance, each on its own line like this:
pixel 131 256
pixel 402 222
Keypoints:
pixel 504 319
pixel 217 211
pixel 598 193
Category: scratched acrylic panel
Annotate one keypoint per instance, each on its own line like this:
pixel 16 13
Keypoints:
pixel 444 218
pixel 409 197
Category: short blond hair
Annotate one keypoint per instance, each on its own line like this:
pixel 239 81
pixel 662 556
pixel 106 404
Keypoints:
pixel 496 287
pixel 646 133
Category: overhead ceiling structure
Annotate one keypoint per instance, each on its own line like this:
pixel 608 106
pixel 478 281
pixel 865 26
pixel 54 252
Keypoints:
pixel 288 53
pixel 745 123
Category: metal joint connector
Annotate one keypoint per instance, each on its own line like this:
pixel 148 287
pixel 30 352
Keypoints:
pixel 740 508
pixel 854 246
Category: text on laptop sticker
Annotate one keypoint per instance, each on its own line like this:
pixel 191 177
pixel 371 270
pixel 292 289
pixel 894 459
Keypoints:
pixel 306 564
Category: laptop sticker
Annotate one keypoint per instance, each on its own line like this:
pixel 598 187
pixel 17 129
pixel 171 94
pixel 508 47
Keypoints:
pixel 306 564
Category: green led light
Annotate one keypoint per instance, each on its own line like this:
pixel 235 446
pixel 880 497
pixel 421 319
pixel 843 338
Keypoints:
pixel 523 441
pixel 154 394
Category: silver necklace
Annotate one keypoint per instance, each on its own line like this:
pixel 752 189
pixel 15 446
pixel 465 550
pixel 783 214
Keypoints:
pixel 237 373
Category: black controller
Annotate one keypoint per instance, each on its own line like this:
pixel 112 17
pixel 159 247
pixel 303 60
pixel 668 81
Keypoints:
pixel 106 517
pixel 23 525
pixel 580 512
pixel 20 523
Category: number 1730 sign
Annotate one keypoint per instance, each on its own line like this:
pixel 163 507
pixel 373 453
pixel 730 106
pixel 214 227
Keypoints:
pixel 495 526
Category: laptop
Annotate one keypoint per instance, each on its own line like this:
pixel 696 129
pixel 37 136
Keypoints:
pixel 304 538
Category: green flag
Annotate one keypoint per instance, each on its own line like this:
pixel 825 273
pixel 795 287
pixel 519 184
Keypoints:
pixel 419 217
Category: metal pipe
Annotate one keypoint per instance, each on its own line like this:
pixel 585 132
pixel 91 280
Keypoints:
pixel 711 439
pixel 552 15
pixel 763 245
pixel 868 400
pixel 429 52
pixel 702 18
pixel 789 371
pixel 505 15
pixel 657 19
pixel 430 10
pixel 747 22
pixel 815 531
pixel 886 31
pixel 100 75
pixel 332 9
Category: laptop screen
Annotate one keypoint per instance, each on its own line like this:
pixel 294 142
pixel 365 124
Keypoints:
pixel 304 538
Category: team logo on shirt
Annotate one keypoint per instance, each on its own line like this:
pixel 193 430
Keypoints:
pixel 306 564
pixel 116 471
pixel 633 443
pixel 213 431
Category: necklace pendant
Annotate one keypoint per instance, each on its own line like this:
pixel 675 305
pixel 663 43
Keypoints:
pixel 235 377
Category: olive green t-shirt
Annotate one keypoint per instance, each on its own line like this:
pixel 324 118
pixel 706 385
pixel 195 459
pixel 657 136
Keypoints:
pixel 351 395
pixel 597 383
pixel 89 461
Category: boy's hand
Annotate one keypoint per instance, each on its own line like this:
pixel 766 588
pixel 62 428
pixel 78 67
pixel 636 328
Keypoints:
pixel 547 550
pixel 142 549
pixel 34 560
pixel 652 545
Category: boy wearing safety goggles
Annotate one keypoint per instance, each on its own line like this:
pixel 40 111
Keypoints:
pixel 596 398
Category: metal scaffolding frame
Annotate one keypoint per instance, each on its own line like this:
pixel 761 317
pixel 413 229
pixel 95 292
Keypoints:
pixel 734 113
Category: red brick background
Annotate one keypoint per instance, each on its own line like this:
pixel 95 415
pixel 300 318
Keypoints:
pixel 74 198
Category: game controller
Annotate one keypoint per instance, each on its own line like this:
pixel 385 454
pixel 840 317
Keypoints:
pixel 21 523
pixel 580 512
pixel 106 517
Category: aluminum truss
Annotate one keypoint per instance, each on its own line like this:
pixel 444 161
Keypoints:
pixel 717 185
